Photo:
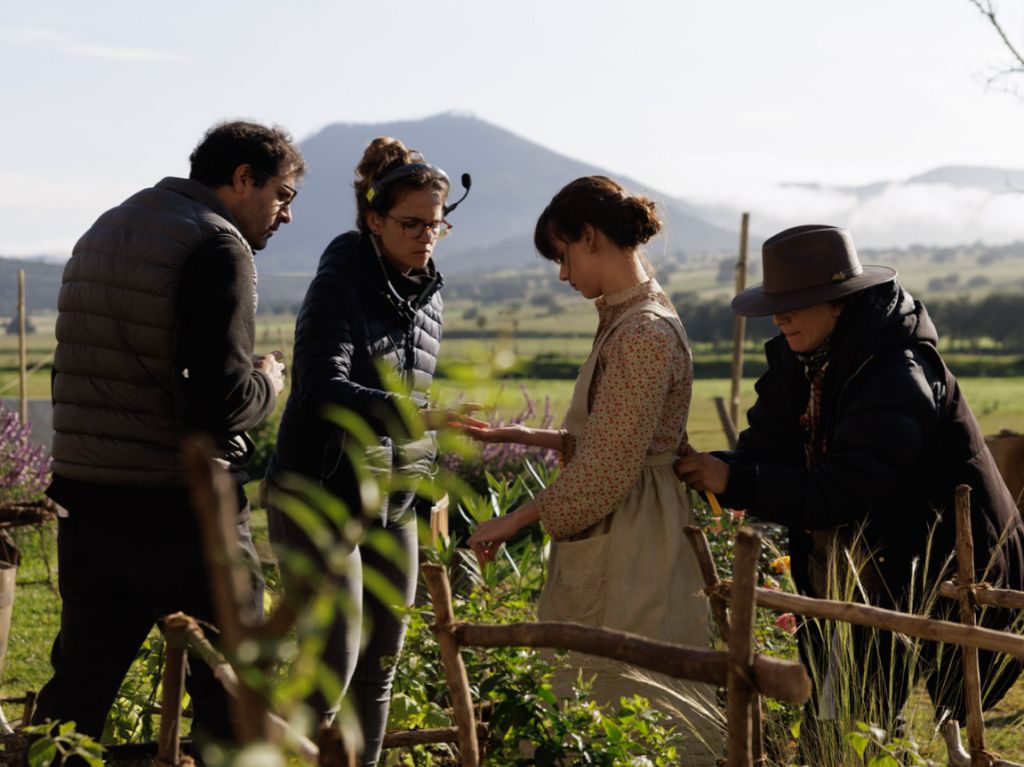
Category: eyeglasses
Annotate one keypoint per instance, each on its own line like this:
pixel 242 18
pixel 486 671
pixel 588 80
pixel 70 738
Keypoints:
pixel 288 196
pixel 414 228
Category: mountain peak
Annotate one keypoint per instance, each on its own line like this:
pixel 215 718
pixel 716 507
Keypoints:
pixel 513 179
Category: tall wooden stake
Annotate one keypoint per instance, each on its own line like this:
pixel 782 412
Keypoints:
pixel 169 744
pixel 965 580
pixel 451 661
pixel 740 690
pixel 22 355
pixel 740 324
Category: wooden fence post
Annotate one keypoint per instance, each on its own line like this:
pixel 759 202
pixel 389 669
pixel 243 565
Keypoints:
pixel 741 694
pixel 22 350
pixel 702 551
pixel 214 499
pixel 728 425
pixel 451 660
pixel 965 584
pixel 169 740
pixel 740 324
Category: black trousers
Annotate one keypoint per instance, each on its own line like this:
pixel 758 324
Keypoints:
pixel 366 672
pixel 117 578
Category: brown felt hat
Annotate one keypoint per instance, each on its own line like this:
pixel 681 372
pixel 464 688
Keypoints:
pixel 807 265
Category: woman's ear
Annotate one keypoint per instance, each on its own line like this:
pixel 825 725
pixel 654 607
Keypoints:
pixel 588 238
pixel 374 221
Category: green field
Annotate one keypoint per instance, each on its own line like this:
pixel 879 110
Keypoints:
pixel 998 403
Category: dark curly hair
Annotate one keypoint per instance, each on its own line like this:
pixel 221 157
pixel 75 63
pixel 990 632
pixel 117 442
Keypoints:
pixel 269 151
pixel 383 155
pixel 628 220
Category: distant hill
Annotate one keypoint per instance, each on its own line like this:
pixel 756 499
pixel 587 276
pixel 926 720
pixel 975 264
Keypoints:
pixel 42 284
pixel 513 179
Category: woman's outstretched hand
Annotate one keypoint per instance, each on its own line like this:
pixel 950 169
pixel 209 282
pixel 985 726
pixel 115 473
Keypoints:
pixel 703 472
pixel 482 431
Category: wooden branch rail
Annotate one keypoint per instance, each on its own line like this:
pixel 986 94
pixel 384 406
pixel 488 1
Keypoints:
pixel 780 679
pixel 889 620
pixel 985 595
pixel 408 738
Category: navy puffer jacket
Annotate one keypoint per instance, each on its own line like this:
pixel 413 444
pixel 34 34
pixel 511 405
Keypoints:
pixel 352 321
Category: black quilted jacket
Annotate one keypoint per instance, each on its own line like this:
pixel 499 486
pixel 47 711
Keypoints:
pixel 352 321
pixel 899 439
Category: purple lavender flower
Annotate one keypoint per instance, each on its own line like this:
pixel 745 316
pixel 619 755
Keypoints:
pixel 506 460
pixel 24 467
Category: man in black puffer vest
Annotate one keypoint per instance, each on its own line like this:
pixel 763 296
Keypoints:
pixel 155 341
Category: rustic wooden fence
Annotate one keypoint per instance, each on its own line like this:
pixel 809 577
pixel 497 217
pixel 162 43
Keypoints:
pixel 745 674
pixel 966 634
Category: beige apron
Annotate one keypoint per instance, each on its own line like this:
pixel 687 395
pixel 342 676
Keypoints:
pixel 634 571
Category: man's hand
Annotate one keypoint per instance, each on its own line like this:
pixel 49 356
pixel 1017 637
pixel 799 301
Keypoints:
pixel 703 472
pixel 271 365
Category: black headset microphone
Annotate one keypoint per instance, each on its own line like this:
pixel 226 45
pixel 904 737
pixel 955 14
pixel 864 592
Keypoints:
pixel 373 194
pixel 467 182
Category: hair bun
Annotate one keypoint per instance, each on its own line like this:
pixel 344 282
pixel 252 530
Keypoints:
pixel 640 218
pixel 382 152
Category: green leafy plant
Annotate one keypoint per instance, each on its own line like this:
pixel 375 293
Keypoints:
pixel 133 717
pixel 56 742
pixel 877 748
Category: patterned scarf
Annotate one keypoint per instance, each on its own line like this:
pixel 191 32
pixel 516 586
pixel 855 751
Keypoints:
pixel 815 364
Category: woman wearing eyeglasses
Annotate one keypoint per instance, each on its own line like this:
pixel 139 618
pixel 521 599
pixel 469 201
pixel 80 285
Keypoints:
pixel 372 310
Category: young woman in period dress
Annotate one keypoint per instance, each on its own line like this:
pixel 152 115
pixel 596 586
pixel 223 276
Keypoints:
pixel 616 512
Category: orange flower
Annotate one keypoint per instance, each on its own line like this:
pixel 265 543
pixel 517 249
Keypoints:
pixel 780 564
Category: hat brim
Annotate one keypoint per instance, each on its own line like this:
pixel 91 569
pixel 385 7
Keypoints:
pixel 754 302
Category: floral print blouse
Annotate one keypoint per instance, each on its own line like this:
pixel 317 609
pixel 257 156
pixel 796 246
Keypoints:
pixel 639 396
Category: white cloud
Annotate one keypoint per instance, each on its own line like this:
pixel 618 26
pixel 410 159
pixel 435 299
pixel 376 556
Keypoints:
pixel 46 35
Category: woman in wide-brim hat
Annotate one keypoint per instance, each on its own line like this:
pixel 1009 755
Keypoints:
pixel 856 443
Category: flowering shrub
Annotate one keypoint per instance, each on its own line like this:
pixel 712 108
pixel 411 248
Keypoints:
pixel 24 467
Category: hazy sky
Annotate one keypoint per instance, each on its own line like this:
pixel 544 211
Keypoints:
pixel 714 101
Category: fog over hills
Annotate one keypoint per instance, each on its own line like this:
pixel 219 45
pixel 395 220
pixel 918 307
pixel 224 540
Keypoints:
pixel 513 179
pixel 946 206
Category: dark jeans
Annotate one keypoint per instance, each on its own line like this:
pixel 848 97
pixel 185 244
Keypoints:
pixel 366 676
pixel 118 576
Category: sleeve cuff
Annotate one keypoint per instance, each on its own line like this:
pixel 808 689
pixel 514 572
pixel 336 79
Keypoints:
pixel 741 489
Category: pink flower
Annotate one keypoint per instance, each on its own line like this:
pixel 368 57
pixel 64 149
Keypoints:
pixel 786 622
